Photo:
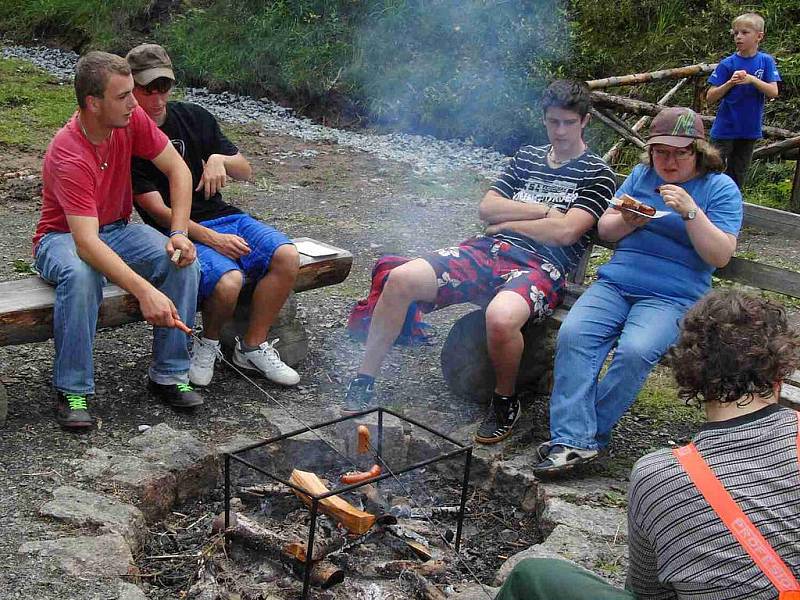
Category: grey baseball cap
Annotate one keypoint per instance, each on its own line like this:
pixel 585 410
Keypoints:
pixel 148 62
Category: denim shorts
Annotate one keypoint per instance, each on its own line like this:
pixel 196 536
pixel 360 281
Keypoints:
pixel 262 239
pixel 478 268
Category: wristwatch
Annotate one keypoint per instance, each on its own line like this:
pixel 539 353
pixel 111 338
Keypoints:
pixel 690 216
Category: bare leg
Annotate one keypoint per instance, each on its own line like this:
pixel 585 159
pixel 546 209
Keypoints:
pixel 271 293
pixel 415 280
pixel 505 316
pixel 219 306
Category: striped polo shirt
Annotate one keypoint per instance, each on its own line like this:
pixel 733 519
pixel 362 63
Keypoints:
pixel 586 183
pixel 678 546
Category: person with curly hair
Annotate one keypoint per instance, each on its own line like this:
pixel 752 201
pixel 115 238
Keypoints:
pixel 733 353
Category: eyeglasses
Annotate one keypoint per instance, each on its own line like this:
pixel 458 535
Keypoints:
pixel 679 154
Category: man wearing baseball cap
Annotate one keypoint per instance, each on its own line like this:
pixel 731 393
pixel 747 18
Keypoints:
pixel 660 267
pixel 232 246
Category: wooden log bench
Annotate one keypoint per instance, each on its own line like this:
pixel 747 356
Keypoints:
pixel 26 307
pixel 465 361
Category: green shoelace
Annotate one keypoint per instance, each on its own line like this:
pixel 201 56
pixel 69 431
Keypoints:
pixel 76 401
pixel 184 388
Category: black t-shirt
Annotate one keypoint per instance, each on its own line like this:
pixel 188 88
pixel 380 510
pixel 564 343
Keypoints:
pixel 195 134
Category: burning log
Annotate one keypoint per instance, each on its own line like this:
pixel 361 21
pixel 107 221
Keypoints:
pixel 393 568
pixel 325 574
pixel 294 553
pixel 424 587
pixel 677 73
pixel 354 520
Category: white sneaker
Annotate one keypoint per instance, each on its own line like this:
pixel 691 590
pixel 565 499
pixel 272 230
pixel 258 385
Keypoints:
pixel 204 353
pixel 266 361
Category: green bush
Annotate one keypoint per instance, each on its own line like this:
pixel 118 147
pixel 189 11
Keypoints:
pixel 471 69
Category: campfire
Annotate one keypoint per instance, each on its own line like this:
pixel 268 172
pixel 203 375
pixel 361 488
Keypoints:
pixel 369 506
pixel 357 488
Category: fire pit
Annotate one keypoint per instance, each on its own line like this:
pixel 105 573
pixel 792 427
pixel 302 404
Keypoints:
pixel 347 524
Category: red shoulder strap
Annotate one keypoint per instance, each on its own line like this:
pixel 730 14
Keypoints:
pixel 737 522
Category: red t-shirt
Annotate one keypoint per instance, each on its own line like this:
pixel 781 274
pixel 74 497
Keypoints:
pixel 74 184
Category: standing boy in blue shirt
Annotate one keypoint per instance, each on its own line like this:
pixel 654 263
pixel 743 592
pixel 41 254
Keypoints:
pixel 740 84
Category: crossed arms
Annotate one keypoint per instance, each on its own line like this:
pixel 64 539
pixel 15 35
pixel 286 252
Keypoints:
pixel 541 222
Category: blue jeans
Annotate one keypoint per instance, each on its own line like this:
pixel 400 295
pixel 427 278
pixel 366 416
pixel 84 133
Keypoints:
pixel 79 292
pixel 583 410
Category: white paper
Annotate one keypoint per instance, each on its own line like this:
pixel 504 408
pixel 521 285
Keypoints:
pixel 313 250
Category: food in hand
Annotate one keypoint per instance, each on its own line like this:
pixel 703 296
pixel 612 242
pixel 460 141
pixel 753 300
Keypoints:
pixel 359 476
pixel 633 204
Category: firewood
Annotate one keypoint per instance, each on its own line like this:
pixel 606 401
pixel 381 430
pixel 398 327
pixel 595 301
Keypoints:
pixel 393 568
pixel 677 73
pixel 325 574
pixel 354 520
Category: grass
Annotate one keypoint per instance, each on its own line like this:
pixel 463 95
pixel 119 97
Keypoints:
pixel 33 105
pixel 658 401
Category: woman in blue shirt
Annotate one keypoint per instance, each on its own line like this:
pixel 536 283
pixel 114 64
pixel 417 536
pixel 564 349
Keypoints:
pixel 660 267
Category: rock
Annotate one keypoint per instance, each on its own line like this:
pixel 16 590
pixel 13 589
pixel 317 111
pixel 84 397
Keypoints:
pixel 516 482
pixel 474 591
pixel 83 508
pixel 102 556
pixel 574 545
pixel 593 489
pixel 128 591
pixel 3 405
pixel 170 466
pixel 610 523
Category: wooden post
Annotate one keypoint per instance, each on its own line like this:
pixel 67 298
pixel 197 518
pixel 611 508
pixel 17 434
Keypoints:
pixel 794 199
pixel 777 147
pixel 678 73
pixel 620 127
pixel 612 153
pixel 640 107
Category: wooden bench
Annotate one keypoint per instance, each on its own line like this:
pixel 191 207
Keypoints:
pixel 26 306
pixel 465 361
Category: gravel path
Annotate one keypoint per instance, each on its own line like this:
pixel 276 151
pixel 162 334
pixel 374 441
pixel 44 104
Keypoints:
pixel 424 153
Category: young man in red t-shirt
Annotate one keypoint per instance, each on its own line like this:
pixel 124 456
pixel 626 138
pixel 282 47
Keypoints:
pixel 83 238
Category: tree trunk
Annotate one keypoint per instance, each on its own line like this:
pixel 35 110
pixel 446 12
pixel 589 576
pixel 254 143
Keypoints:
pixel 468 371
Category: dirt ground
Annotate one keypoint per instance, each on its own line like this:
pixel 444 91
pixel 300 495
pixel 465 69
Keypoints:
pixel 324 191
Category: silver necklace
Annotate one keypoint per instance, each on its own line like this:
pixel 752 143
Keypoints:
pixel 551 157
pixel 103 164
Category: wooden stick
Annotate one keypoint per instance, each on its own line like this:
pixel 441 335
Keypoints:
pixel 623 130
pixel 777 147
pixel 393 568
pixel 640 107
pixel 355 520
pixel 677 73
pixel 612 153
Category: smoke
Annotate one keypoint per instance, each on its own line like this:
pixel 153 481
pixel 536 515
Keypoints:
pixel 470 69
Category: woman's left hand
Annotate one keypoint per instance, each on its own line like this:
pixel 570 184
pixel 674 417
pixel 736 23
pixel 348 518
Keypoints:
pixel 677 198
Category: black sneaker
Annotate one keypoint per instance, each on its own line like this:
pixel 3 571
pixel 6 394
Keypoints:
pixel 72 411
pixel 180 395
pixel 360 396
pixel 497 425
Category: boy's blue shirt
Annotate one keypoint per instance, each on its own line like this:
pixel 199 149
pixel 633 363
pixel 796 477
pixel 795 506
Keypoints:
pixel 741 110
